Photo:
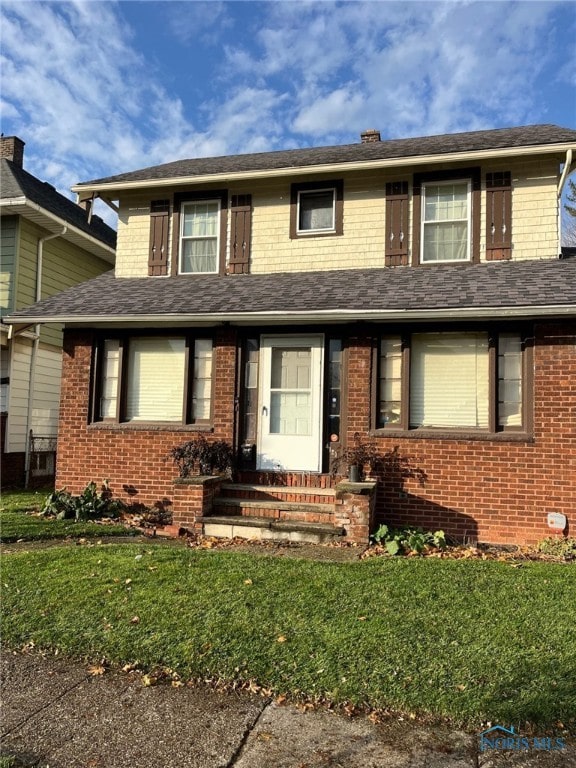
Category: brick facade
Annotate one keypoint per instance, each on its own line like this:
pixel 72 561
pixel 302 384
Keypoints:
pixel 488 490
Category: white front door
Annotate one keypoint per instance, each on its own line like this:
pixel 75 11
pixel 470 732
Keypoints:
pixel 290 424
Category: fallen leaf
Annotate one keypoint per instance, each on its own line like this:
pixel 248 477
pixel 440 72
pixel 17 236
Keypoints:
pixel 281 639
pixel 361 618
pixel 248 581
pixel 96 669
pixel 461 687
pixel 135 620
pixel 128 581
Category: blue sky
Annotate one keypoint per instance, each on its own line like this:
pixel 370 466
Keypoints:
pixel 97 88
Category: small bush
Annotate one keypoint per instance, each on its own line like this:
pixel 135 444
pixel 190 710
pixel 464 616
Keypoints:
pixel 559 547
pixel 91 504
pixel 403 541
pixel 202 457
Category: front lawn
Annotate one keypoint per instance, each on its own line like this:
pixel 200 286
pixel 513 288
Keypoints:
pixel 19 520
pixel 475 641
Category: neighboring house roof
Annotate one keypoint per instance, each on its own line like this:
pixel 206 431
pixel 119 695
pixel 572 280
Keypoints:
pixel 525 289
pixel 446 144
pixel 23 193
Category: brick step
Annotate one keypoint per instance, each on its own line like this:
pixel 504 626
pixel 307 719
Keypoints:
pixel 286 479
pixel 300 494
pixel 265 529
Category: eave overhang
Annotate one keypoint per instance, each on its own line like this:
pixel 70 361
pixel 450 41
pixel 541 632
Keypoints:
pixel 323 317
pixel 559 149
pixel 31 211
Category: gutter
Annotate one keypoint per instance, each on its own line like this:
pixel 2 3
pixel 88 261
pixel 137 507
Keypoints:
pixel 304 316
pixel 34 353
pixel 356 165
pixel 19 201
pixel 563 178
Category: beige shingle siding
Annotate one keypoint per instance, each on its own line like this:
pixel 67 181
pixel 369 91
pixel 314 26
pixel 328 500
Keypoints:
pixel 534 221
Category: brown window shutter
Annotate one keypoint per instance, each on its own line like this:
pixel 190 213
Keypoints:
pixel 498 215
pixel 158 254
pixel 396 248
pixel 240 234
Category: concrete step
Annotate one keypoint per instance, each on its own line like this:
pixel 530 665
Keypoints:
pixel 267 529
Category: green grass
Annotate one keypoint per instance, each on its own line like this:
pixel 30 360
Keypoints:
pixel 472 641
pixel 17 521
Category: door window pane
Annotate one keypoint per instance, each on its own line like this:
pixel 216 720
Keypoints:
pixel 290 395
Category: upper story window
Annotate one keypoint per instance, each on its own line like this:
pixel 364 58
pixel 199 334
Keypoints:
pixel 316 211
pixel 316 208
pixel 154 378
pixel 199 232
pixel 446 222
pixel 446 216
pixel 199 237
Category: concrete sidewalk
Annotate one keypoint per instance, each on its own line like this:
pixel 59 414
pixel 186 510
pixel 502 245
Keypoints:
pixel 56 715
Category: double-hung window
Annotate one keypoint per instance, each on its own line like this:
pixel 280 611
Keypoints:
pixel 446 216
pixel 316 209
pixel 154 379
pixel 200 237
pixel 446 221
pixel 453 380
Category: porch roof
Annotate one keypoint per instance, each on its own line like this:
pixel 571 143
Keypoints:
pixel 524 289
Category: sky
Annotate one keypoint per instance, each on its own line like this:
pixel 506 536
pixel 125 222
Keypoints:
pixel 96 88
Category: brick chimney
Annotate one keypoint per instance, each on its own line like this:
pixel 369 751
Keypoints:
pixel 12 148
pixel 369 136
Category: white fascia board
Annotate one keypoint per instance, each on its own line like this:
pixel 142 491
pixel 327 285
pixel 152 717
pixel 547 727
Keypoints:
pixel 24 202
pixel 395 162
pixel 287 318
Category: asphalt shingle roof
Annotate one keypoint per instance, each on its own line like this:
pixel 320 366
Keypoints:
pixel 16 182
pixel 496 285
pixel 501 138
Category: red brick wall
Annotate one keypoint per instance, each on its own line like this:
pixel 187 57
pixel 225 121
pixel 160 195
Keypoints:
pixel 488 490
pixel 134 459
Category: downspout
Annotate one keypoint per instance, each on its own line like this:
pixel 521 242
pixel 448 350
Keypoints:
pixel 565 173
pixel 35 345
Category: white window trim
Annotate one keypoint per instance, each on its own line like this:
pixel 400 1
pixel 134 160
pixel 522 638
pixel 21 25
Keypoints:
pixel 313 191
pixel 191 203
pixel 423 221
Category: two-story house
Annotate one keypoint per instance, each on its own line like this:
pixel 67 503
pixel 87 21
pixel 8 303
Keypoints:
pixel 47 244
pixel 407 292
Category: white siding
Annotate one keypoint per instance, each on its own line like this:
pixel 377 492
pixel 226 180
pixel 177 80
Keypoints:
pixel 45 393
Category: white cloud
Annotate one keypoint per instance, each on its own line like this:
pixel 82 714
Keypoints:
pixel 92 97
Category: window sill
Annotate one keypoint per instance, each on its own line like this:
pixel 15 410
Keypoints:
pixel 307 235
pixel 149 426
pixel 446 434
